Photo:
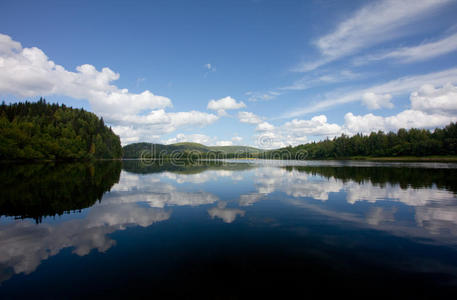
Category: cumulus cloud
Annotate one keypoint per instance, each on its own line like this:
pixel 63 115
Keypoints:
pixel 317 126
pixel 405 119
pixel 264 126
pixel 193 138
pixel 296 132
pixel 299 131
pixel 249 117
pixel 224 143
pixel 198 138
pixel 438 100
pixel 237 139
pixel 431 107
pixel 375 101
pixel 223 104
pixel 28 72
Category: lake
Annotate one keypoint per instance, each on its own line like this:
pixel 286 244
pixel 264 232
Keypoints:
pixel 228 229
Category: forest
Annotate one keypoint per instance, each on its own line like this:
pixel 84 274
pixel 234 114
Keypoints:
pixel 412 142
pixel 43 131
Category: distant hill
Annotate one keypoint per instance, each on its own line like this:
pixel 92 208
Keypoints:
pixel 138 150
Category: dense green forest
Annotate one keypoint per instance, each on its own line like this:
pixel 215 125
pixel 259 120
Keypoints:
pixel 412 142
pixel 47 189
pixel 42 131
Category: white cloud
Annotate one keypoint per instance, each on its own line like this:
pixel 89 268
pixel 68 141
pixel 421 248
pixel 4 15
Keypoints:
pixel 249 117
pixel 295 132
pixel 438 100
pixel 151 126
pixel 237 139
pixel 372 24
pixel 405 119
pixel 224 143
pixel 193 138
pixel 423 51
pixel 209 68
pixel 298 131
pixel 262 96
pixel 28 72
pixel 430 108
pixel 264 126
pixel 323 78
pixel 198 138
pixel 317 126
pixel 223 104
pixel 400 86
pixel 375 101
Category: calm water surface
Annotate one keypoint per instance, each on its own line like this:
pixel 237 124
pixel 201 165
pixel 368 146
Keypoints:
pixel 228 229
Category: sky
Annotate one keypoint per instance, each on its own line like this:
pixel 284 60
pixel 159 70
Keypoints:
pixel 262 73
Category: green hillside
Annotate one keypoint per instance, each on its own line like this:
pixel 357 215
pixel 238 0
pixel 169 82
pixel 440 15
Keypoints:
pixel 138 150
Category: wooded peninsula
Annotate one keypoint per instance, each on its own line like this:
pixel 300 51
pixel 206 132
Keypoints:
pixel 43 131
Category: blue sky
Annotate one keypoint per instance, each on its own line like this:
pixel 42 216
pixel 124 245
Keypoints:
pixel 261 73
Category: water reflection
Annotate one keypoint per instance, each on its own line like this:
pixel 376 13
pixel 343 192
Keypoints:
pixel 228 215
pixel 40 190
pixel 431 194
pixel 403 201
pixel 24 245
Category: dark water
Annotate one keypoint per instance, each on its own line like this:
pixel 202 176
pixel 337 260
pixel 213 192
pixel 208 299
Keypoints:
pixel 228 230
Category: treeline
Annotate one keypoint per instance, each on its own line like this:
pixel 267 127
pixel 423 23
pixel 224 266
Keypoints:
pixel 37 131
pixel 412 142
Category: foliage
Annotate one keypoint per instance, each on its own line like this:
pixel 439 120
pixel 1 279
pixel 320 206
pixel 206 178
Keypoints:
pixel 412 142
pixel 42 131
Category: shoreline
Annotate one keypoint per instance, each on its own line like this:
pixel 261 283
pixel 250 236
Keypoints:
pixel 434 158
